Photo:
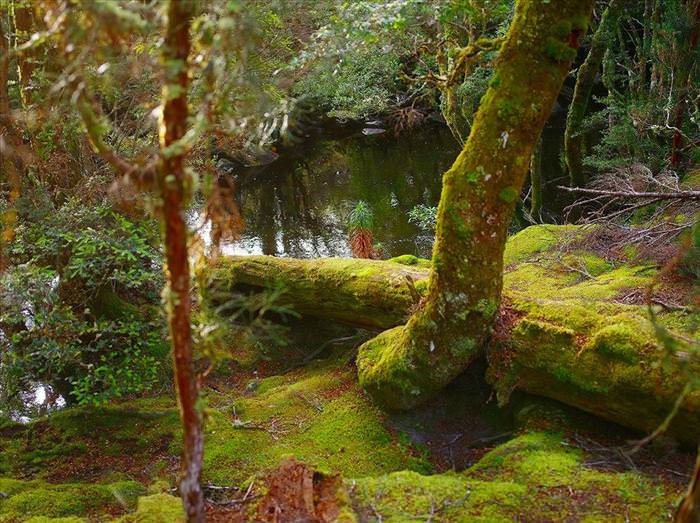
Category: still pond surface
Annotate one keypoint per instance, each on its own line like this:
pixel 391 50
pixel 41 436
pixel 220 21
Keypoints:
pixel 299 207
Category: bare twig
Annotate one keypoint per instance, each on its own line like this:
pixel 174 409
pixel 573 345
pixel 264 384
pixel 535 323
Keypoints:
pixel 675 195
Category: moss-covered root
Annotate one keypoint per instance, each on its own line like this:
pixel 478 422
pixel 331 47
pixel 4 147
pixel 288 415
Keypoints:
pixel 403 367
pixel 366 293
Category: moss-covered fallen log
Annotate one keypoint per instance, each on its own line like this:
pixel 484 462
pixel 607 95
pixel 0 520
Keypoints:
pixel 366 293
pixel 608 364
pixel 569 336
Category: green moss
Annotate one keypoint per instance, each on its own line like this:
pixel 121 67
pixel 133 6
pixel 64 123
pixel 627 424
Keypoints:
pixel 623 341
pixel 537 239
pixel 317 414
pixel 407 496
pixel 509 194
pixel 591 263
pixel 411 261
pixel 559 51
pixel 70 438
pixel 36 498
pixel 561 29
pixel 158 508
pixel 580 23
pixel 536 476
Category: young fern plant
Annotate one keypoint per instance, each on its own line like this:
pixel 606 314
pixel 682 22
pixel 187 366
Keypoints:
pixel 361 226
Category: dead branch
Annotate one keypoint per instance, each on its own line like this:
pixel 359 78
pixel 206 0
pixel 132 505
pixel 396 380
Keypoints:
pixel 674 195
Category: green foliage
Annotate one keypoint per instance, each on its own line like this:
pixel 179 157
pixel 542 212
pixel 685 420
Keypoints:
pixel 69 316
pixel 647 103
pixel 361 217
pixel 424 217
pixel 362 84
pixel 256 321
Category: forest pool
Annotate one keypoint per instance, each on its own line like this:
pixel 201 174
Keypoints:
pixel 299 207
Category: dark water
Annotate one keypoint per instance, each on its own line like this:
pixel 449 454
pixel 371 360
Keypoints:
pixel 299 207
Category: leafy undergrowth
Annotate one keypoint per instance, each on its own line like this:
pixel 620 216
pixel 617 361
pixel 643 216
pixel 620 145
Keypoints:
pixel 557 464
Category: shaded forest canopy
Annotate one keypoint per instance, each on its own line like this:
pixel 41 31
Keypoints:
pixel 293 260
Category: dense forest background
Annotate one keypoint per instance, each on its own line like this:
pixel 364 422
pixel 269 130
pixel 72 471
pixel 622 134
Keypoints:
pixel 141 141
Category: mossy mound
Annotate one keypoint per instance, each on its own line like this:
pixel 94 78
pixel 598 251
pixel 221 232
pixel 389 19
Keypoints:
pixel 36 500
pixel 317 414
pixel 534 477
pixel 157 508
pixel 134 438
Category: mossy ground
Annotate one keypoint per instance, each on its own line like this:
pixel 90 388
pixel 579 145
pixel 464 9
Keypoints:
pixel 537 476
pixel 80 464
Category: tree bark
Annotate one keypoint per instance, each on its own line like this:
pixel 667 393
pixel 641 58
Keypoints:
pixel 406 365
pixel 11 163
pixel 536 183
pixel 683 81
pixel 172 184
pixel 585 79
pixel 689 508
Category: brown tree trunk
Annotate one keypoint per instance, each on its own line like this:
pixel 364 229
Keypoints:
pixel 11 164
pixel 689 509
pixel 404 366
pixel 172 182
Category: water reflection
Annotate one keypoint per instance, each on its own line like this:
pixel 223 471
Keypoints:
pixel 299 207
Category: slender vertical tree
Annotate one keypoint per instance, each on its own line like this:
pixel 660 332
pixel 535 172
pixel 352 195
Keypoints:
pixel 585 79
pixel 11 162
pixel 172 182
pixel 172 185
pixel 403 366
pixel 689 508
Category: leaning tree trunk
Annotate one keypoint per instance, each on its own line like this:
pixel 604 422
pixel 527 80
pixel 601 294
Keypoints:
pixel 573 136
pixel 172 180
pixel 406 365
